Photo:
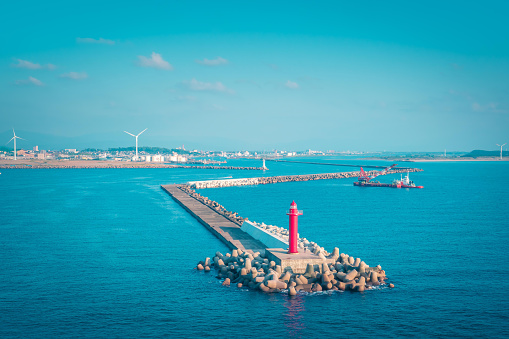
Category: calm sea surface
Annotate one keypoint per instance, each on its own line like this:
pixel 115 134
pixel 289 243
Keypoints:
pixel 106 253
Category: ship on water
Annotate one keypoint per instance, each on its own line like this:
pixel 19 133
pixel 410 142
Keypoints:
pixel 364 180
pixel 405 182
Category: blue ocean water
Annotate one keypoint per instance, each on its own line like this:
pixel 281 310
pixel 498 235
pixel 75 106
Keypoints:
pixel 106 253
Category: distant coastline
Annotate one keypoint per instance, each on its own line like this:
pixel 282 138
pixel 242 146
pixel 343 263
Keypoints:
pixel 438 160
pixel 41 164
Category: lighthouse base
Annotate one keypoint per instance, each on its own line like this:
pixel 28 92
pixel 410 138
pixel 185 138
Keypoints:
pixel 296 262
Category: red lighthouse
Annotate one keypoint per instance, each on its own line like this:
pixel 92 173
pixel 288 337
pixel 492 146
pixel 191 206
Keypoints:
pixel 294 215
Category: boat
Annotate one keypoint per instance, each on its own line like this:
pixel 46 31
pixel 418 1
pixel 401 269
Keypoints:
pixel 372 184
pixel 365 180
pixel 405 182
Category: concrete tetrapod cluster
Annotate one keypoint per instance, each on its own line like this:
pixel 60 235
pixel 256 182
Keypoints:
pixel 254 271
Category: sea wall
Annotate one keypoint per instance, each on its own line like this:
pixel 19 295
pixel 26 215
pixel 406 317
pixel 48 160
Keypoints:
pixel 270 240
pixel 285 178
pixel 223 183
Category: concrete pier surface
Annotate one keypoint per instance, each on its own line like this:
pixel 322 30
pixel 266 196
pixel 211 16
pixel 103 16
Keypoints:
pixel 296 262
pixel 226 230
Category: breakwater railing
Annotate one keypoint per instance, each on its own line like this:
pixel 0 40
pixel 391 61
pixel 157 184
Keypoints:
pixel 285 178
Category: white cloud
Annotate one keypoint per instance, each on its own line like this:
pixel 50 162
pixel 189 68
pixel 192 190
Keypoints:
pixel 30 81
pixel 489 107
pixel 74 75
pixel 214 62
pixel 155 61
pixel 95 41
pixel 196 85
pixel 30 65
pixel 291 84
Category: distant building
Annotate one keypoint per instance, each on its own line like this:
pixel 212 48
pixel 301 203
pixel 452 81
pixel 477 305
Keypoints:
pixel 176 158
pixel 36 148
pixel 147 158
pixel 157 158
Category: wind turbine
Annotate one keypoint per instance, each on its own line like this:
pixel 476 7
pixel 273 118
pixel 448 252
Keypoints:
pixel 16 137
pixel 501 150
pixel 136 136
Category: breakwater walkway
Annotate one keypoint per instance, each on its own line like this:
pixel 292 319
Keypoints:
pixel 226 230
pixel 286 178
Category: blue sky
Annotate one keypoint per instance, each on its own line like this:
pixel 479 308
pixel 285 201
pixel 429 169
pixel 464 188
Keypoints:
pixel 257 75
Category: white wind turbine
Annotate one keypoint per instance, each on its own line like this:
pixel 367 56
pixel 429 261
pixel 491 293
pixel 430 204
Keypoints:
pixel 136 136
pixel 501 150
pixel 14 138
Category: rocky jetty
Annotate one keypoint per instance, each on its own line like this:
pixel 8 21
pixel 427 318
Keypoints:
pixel 254 271
pixel 285 178
pixel 233 216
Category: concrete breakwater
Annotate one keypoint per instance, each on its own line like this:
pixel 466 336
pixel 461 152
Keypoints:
pixel 141 165
pixel 255 271
pixel 257 265
pixel 284 178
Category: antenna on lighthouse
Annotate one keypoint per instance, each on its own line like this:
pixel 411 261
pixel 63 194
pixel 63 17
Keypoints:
pixel 501 150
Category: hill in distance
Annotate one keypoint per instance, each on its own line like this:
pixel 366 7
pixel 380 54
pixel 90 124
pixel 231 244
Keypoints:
pixel 481 153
